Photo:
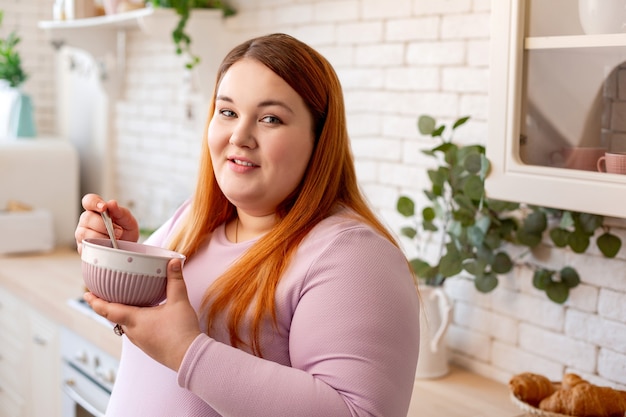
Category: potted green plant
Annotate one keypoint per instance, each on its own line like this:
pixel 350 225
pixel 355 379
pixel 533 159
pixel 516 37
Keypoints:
pixel 476 234
pixel 183 8
pixel 18 121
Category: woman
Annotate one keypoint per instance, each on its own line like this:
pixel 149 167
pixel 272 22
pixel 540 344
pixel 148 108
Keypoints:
pixel 295 300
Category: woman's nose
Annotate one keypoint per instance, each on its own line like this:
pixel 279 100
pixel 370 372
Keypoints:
pixel 243 135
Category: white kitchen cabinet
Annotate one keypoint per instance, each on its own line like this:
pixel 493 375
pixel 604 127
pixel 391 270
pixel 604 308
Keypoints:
pixel 557 103
pixel 30 361
pixel 45 367
pixel 14 364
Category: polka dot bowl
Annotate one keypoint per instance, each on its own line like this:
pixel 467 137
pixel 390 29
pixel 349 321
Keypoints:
pixel 134 274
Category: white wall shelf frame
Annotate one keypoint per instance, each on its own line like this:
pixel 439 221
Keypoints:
pixel 511 179
pixel 104 37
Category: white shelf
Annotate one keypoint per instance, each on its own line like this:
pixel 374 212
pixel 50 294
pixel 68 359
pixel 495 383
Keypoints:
pixel 127 20
pixel 575 41
pixel 104 37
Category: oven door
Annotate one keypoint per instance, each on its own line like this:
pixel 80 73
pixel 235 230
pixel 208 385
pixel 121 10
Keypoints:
pixel 83 397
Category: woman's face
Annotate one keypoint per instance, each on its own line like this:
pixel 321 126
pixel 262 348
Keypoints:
pixel 260 137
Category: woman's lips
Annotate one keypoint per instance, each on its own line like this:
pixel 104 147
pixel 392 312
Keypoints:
pixel 241 164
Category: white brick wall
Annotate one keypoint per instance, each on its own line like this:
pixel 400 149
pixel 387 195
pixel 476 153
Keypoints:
pixel 396 61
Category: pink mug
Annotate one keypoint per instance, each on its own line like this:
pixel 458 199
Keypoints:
pixel 612 162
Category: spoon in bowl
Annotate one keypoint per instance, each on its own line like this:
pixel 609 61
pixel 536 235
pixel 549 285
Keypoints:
pixel 109 225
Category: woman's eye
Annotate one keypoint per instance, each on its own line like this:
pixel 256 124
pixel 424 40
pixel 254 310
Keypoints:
pixel 227 113
pixel 271 119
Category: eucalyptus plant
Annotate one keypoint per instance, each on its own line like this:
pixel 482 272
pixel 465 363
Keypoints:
pixel 183 8
pixel 475 233
pixel 10 63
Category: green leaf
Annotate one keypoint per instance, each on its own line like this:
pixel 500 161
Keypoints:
pixel 557 292
pixel 535 223
pixel 409 232
pixel 589 222
pixel 486 283
pixel 559 236
pixel 451 263
pixel 578 241
pixel 567 221
pixel 475 235
pixel 609 244
pixel 541 278
pixel 429 226
pixel 474 187
pixel 426 125
pixel 569 277
pixel 502 263
pixel 529 239
pixel 460 122
pixel 473 163
pixel 501 206
pixel 438 131
pixel 475 266
pixel 422 269
pixel 483 223
pixel 464 202
pixel 492 240
pixel 438 177
pixel 405 206
pixel 428 214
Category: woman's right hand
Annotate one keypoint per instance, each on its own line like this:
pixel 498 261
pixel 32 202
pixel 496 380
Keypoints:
pixel 91 225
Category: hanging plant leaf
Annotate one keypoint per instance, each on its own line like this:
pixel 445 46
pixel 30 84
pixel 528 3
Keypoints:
pixel 589 222
pixel 475 236
pixel 486 283
pixel 578 241
pixel 557 292
pixel 541 278
pixel 405 206
pixel 567 220
pixel 609 244
pixel 535 223
pixel 528 239
pixel 475 266
pixel 502 263
pixel 559 236
pixel 493 240
pixel 569 277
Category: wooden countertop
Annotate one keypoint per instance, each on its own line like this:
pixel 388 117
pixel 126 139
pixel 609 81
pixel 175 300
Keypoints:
pixel 461 394
pixel 48 281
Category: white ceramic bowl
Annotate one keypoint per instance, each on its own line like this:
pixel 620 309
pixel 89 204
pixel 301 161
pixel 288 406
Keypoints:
pixel 134 274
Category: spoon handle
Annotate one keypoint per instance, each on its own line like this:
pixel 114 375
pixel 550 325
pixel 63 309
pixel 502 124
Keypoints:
pixel 109 225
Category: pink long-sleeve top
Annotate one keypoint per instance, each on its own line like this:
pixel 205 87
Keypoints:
pixel 346 343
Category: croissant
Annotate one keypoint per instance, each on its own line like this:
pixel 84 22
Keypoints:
pixel 571 380
pixel 586 400
pixel 531 388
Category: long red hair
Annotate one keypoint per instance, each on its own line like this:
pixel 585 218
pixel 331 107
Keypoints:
pixel 246 291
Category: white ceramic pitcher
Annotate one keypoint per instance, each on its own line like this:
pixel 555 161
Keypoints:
pixel 434 321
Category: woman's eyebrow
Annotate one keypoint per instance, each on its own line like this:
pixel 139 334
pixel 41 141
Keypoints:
pixel 282 104
pixel 265 103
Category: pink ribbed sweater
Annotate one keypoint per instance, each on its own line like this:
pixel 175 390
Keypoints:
pixel 346 343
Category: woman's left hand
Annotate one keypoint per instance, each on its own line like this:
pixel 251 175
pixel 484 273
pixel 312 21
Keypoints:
pixel 163 332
